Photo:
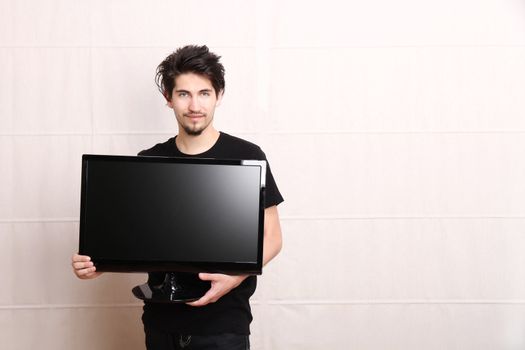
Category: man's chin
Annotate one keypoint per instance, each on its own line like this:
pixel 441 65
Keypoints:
pixel 193 132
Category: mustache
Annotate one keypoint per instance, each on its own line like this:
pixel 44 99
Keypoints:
pixel 193 115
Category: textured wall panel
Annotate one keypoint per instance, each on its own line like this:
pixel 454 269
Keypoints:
pixel 7 263
pixel 42 254
pixel 396 327
pixel 169 23
pixel 127 144
pixel 400 175
pixel 7 174
pixel 50 23
pixel 125 97
pixel 6 23
pixel 47 172
pixel 52 90
pixel 72 328
pixel 406 22
pixel 6 91
pixel 239 109
pixel 397 89
pixel 424 259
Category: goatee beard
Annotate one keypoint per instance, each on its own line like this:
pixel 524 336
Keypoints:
pixel 193 132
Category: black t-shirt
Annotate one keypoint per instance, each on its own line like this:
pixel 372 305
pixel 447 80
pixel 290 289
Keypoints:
pixel 231 313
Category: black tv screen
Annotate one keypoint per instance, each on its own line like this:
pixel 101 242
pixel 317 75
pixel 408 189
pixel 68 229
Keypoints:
pixel 145 214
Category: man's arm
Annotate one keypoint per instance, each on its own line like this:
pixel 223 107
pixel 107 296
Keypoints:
pixel 222 284
pixel 273 240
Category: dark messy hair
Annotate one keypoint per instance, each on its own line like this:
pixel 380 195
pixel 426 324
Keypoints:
pixel 190 59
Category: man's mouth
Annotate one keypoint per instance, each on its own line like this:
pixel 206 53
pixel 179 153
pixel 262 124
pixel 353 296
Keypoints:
pixel 195 116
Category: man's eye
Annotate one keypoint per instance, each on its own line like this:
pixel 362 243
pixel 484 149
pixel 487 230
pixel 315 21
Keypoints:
pixel 182 94
pixel 205 93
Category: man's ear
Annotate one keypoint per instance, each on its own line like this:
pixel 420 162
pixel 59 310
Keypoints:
pixel 219 98
pixel 169 101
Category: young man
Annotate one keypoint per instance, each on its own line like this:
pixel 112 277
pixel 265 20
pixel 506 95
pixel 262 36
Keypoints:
pixel 192 81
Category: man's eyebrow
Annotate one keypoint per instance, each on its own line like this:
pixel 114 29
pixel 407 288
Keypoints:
pixel 187 91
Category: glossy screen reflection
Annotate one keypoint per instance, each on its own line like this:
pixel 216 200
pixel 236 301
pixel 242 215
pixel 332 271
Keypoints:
pixel 141 211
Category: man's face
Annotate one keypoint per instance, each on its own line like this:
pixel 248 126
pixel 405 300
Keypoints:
pixel 194 100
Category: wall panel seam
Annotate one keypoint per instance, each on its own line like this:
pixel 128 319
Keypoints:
pixel 111 47
pixel 373 47
pixel 293 218
pixel 278 133
pixel 401 302
pixel 373 218
pixel 273 47
pixel 269 302
pixel 68 306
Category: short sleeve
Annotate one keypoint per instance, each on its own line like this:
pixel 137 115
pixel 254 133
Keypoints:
pixel 272 194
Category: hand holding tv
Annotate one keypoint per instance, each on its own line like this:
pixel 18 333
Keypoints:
pixel 83 267
pixel 220 285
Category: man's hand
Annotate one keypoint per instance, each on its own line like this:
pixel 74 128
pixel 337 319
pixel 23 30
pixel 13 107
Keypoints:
pixel 220 285
pixel 83 267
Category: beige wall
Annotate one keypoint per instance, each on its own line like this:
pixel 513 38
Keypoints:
pixel 395 130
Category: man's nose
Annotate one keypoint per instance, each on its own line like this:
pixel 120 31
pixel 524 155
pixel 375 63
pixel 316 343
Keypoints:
pixel 194 105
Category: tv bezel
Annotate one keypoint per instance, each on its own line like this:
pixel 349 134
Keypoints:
pixel 116 265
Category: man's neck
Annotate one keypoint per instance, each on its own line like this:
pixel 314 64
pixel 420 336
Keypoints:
pixel 191 145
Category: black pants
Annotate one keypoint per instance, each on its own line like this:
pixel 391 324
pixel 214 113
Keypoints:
pixel 168 341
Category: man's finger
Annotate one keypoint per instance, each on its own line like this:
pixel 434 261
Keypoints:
pixel 90 275
pixel 206 276
pixel 81 258
pixel 86 272
pixel 205 299
pixel 82 265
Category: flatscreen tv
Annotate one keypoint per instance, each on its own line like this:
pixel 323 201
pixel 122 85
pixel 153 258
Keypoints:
pixel 181 216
